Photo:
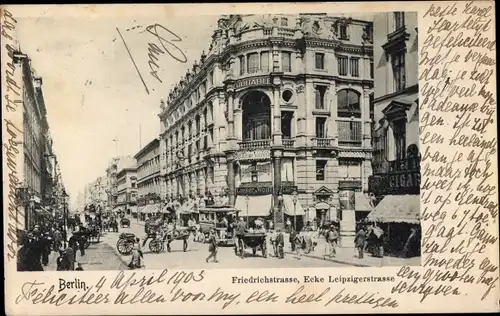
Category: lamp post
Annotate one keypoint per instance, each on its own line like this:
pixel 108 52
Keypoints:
pixel 247 200
pixel 64 195
pixel 294 197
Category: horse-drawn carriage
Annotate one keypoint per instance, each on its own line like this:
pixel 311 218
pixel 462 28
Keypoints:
pixel 256 241
pixel 166 238
pixel 124 222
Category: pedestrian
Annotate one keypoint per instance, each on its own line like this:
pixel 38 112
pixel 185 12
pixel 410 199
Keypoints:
pixel 280 243
pixel 332 240
pixel 241 228
pixel 81 245
pixel 272 239
pixel 135 262
pixel 359 242
pixel 73 243
pixel 292 239
pixel 57 239
pixel 60 261
pixel 79 268
pixel 212 247
pixel 288 224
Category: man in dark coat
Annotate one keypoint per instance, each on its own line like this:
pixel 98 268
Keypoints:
pixel 280 243
pixel 359 242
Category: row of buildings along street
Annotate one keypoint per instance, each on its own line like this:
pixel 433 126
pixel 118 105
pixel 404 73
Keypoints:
pixel 301 125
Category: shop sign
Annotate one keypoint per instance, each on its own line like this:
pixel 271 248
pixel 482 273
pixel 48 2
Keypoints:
pixel 255 81
pixel 396 183
pixel 264 190
pixel 259 154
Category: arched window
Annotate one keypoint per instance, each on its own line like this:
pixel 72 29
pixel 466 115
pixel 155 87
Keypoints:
pixel 348 103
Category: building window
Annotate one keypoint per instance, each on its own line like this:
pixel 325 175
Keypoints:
pixel 253 172
pixel 349 133
pixel 205 116
pixel 343 66
pixel 372 70
pixel 320 170
pixel 399 20
pixel 321 127
pixel 190 130
pixel 205 142
pixel 286 61
pixel 348 103
pixel 264 61
pixel 320 61
pixel 242 65
pixel 398 70
pixel 354 67
pixel 253 63
pixel 284 22
pixel 211 79
pixel 197 124
pixel 399 130
pixel 343 32
pixel 320 92
pixel 182 134
pixel 286 124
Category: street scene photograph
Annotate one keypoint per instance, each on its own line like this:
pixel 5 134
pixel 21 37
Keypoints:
pixel 218 142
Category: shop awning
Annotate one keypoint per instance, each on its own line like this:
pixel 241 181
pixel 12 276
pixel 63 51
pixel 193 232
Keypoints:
pixel 290 209
pixel 223 209
pixel 186 208
pixel 42 211
pixel 144 209
pixel 397 209
pixel 362 202
pixel 258 205
pixel 152 208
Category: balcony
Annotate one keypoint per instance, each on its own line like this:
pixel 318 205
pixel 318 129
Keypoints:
pixel 255 144
pixel 288 143
pixel 327 143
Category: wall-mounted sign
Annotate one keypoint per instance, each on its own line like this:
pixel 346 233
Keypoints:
pixel 264 189
pixel 250 82
pixel 257 154
pixel 395 183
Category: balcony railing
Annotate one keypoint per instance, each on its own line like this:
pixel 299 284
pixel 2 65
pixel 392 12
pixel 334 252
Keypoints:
pixel 288 143
pixel 255 144
pixel 324 142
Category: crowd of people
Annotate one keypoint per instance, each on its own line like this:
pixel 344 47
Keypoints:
pixel 37 244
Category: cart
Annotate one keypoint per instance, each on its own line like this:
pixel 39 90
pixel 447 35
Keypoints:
pixel 254 241
pixel 124 222
pixel 125 243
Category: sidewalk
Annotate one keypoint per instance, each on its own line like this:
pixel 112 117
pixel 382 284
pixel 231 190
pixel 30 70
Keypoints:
pixel 349 256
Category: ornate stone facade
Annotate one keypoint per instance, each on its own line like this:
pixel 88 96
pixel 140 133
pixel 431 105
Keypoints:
pixel 278 101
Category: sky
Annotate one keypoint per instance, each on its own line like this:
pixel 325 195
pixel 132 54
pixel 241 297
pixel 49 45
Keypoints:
pixel 92 89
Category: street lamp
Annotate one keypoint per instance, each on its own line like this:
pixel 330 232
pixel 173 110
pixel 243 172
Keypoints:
pixel 247 200
pixel 65 196
pixel 294 199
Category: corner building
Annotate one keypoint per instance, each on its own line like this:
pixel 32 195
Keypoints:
pixel 279 106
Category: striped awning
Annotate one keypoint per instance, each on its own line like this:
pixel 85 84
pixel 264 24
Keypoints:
pixel 187 208
pixel 397 209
